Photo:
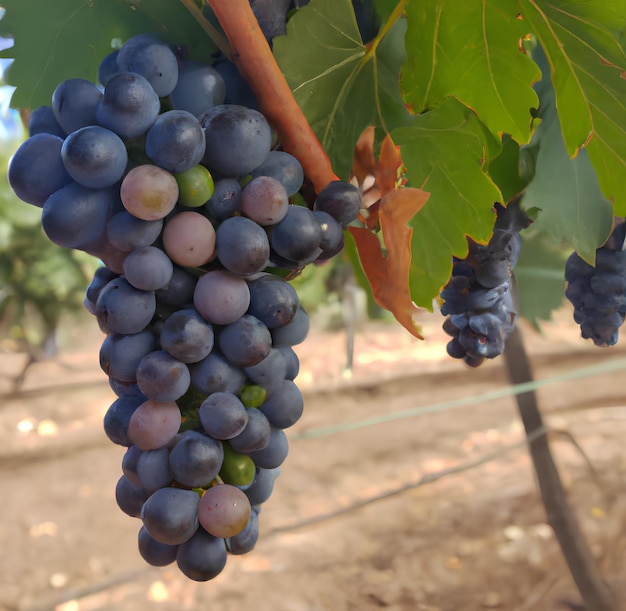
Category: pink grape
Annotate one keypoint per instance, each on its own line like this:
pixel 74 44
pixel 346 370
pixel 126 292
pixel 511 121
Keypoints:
pixel 264 200
pixel 149 192
pixel 221 297
pixel 154 424
pixel 224 510
pixel 189 239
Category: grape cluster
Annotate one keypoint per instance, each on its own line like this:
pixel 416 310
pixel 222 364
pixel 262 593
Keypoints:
pixel 598 293
pixel 197 222
pixel 477 299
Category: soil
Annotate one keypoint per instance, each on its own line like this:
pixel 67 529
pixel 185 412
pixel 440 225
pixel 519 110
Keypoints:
pixel 429 504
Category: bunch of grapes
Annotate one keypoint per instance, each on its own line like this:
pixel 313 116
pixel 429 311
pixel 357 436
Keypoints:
pixel 598 293
pixel 478 299
pixel 197 222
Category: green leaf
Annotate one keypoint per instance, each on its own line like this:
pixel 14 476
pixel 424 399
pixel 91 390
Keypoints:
pixel 583 42
pixel 471 50
pixel 445 151
pixel 342 87
pixel 573 209
pixel 539 274
pixel 64 39
pixel 505 170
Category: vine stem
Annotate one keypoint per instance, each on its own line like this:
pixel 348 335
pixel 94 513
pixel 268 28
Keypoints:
pixel 253 57
pixel 560 515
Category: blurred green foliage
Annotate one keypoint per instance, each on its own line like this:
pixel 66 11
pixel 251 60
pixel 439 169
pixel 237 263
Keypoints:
pixel 39 282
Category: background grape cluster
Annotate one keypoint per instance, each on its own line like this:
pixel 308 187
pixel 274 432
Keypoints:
pixel 197 219
pixel 598 293
pixel 478 299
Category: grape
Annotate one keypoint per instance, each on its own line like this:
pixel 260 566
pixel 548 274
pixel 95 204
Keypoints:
pixel 108 67
pixel 237 469
pixel 237 89
pixel 332 234
pixel 161 377
pixel 244 541
pixel 74 104
pixel 43 152
pixel 196 459
pixel 154 552
pixel 477 298
pixel 238 139
pixel 179 290
pixel 298 236
pixel 149 192
pixel 262 486
pixel 294 332
pixel 94 156
pixel 203 557
pixel 215 374
pixel 283 406
pixel 272 300
pixel 170 515
pixel 189 239
pixel 255 435
pixel 242 246
pixel 148 268
pixel 270 372
pixel 226 199
pixel 274 453
pixel 245 342
pixel 223 415
pixel 120 354
pixel 264 200
pixel 224 510
pixel 284 168
pixel 341 200
pixel 153 424
pixel 176 141
pixel 153 60
pixel 187 336
pixel 121 308
pixel 272 16
pixel 195 186
pixel 199 87
pixel 76 216
pixel 130 105
pixel 43 121
pixel 130 498
pixel 221 298
pixel 292 363
pixel 153 469
pixel 127 232
pixel 198 336
pixel 597 293
pixel 118 416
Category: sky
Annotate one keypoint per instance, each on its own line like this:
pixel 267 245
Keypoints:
pixel 10 124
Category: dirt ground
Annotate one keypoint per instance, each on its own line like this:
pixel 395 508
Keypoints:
pixel 347 528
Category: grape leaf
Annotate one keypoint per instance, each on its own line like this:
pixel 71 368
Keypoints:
pixel 68 38
pixel 445 151
pixel 340 85
pixel 388 272
pixel 539 274
pixel 573 209
pixel 583 42
pixel 505 169
pixel 471 50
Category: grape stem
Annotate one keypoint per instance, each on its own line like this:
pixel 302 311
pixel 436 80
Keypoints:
pixel 253 57
pixel 594 592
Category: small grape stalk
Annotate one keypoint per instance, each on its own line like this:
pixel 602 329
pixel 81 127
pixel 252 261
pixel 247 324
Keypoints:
pixel 478 299
pixel 598 293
